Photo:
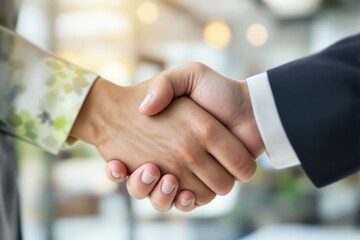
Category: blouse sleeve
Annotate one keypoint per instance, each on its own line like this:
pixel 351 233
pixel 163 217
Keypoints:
pixel 40 94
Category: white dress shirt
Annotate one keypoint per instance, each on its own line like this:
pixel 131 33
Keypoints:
pixel 277 144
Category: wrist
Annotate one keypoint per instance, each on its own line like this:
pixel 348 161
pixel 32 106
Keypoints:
pixel 247 129
pixel 91 121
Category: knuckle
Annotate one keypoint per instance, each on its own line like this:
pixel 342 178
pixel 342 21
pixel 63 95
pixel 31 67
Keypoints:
pixel 238 169
pixel 226 187
pixel 187 154
pixel 206 130
pixel 198 66
pixel 205 198
pixel 190 159
pixel 250 172
pixel 244 169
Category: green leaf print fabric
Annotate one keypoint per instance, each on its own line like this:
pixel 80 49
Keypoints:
pixel 40 94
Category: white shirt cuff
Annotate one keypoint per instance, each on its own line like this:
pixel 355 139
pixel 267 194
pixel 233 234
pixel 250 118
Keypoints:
pixel 277 144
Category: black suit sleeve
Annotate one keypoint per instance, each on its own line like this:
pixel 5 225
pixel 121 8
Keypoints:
pixel 318 100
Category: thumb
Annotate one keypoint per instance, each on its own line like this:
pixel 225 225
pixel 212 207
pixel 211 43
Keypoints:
pixel 167 85
pixel 159 95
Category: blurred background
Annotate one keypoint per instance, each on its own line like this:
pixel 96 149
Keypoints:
pixel 68 197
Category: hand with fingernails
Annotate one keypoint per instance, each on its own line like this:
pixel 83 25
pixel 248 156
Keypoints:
pixel 182 155
pixel 227 100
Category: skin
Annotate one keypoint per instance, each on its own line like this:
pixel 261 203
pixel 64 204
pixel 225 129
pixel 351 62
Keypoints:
pixel 191 149
pixel 225 99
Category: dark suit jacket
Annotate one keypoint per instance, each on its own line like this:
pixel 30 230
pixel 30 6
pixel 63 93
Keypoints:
pixel 9 220
pixel 318 100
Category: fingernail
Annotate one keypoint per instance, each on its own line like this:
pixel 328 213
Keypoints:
pixel 146 177
pixel 185 202
pixel 115 174
pixel 167 187
pixel 146 100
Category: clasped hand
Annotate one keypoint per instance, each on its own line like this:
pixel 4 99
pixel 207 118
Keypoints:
pixel 184 136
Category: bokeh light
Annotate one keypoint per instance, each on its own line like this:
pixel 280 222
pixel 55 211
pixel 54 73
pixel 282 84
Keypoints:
pixel 257 35
pixel 148 12
pixel 217 34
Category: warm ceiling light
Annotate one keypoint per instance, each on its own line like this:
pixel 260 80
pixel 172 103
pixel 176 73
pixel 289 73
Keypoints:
pixel 257 35
pixel 148 12
pixel 217 34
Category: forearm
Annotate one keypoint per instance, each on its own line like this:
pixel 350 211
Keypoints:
pixel 318 102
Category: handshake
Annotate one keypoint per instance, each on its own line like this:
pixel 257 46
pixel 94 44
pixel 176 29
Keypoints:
pixel 184 136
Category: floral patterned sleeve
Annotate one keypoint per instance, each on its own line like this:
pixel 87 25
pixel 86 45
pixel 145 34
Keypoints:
pixel 40 94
